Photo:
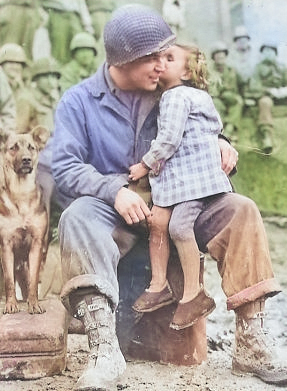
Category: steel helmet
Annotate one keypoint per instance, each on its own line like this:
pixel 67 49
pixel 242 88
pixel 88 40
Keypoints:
pixel 240 32
pixel 83 40
pixel 133 32
pixel 219 46
pixel 13 53
pixel 44 66
pixel 271 45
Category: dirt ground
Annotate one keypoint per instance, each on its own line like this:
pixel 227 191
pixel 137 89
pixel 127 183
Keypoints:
pixel 212 375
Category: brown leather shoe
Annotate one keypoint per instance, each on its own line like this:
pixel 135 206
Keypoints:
pixel 188 313
pixel 151 301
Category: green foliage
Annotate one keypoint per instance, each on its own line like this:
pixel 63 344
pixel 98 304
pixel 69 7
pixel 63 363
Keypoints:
pixel 260 177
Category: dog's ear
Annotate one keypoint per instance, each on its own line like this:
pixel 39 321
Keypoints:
pixel 40 136
pixel 3 138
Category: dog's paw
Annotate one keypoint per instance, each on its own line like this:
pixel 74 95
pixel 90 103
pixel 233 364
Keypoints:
pixel 35 308
pixel 11 307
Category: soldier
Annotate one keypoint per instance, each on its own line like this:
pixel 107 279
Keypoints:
pixel 268 86
pixel 100 11
pixel 14 61
pixel 242 57
pixel 83 64
pixel 66 18
pixel 224 90
pixel 7 104
pixel 36 106
pixel 19 21
pixel 174 14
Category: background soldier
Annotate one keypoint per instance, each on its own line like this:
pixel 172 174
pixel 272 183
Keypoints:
pixel 242 57
pixel 7 104
pixel 83 64
pixel 14 61
pixel 18 22
pixel 36 106
pixel 66 19
pixel 269 87
pixel 224 90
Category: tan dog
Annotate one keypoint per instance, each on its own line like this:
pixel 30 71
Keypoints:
pixel 23 217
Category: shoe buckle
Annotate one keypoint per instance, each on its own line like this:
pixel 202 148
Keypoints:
pixel 80 312
pixel 93 307
pixel 259 315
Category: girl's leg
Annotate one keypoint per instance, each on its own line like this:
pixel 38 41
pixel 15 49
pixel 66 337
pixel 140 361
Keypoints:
pixel 159 247
pixel 189 256
pixel 159 293
pixel 195 302
pixel 182 235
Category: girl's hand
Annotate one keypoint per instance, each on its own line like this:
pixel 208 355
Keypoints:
pixel 138 171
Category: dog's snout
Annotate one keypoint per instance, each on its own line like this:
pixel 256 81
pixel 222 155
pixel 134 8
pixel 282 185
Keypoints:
pixel 26 160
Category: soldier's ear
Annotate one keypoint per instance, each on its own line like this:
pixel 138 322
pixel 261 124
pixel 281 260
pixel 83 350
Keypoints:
pixel 40 136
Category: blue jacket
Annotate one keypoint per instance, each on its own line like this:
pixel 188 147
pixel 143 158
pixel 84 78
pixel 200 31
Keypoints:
pixel 96 138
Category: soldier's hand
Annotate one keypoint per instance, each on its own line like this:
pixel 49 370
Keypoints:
pixel 229 156
pixel 131 206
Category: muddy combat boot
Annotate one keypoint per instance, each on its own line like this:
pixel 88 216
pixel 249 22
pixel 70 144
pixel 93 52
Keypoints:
pixel 106 362
pixel 255 351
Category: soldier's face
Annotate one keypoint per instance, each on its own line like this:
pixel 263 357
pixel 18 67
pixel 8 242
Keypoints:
pixel 268 54
pixel 47 83
pixel 242 43
pixel 13 70
pixel 143 73
pixel 84 56
pixel 219 57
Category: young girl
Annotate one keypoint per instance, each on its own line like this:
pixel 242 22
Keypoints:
pixel 184 166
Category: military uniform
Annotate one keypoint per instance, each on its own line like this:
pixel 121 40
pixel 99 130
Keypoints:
pixel 13 53
pixel 36 107
pixel 268 86
pixel 242 58
pixel 224 91
pixel 100 11
pixel 79 68
pixel 19 20
pixel 7 104
pixel 66 19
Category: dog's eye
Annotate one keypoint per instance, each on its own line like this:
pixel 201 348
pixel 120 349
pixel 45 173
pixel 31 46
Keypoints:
pixel 31 147
pixel 14 147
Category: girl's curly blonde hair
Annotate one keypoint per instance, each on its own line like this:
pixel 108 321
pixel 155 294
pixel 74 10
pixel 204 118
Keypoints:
pixel 196 65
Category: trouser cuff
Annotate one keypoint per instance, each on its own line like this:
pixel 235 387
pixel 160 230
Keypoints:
pixel 266 288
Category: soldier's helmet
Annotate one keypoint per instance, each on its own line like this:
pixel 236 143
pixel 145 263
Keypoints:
pixel 135 31
pixel 83 40
pixel 11 52
pixel 240 32
pixel 269 44
pixel 217 47
pixel 44 66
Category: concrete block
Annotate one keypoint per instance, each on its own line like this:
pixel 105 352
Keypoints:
pixel 33 346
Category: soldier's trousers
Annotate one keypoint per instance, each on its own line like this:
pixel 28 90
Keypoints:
pixel 93 239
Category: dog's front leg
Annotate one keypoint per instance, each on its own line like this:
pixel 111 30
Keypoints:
pixel 11 306
pixel 35 258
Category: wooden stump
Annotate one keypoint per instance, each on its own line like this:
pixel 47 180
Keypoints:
pixel 148 336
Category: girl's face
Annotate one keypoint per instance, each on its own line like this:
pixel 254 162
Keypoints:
pixel 175 67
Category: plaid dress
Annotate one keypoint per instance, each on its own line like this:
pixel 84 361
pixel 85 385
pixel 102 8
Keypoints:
pixel 185 158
